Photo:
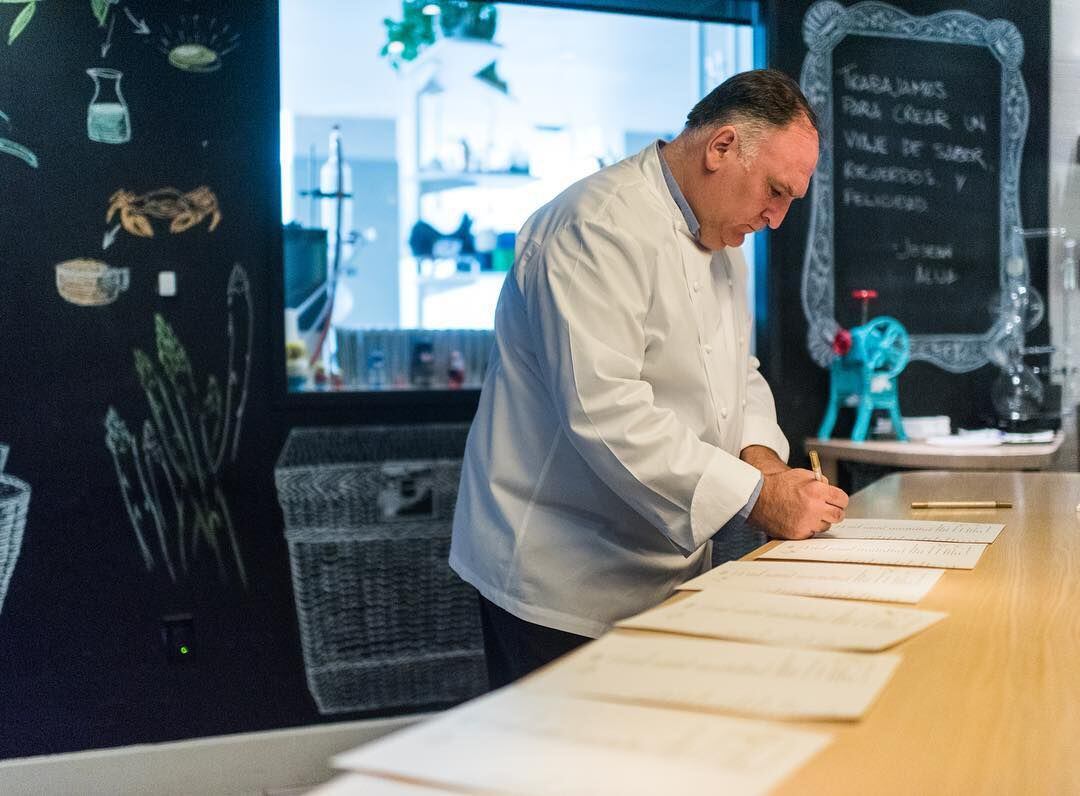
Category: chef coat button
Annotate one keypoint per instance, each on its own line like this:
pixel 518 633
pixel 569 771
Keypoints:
pixel 708 349
pixel 697 286
pixel 723 411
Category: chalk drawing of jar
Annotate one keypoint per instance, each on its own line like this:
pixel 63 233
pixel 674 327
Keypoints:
pixel 90 283
pixel 14 501
pixel 107 118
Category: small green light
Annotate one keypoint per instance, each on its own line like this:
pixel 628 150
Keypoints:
pixel 183 649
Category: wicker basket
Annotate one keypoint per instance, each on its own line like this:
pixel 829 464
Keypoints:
pixel 384 621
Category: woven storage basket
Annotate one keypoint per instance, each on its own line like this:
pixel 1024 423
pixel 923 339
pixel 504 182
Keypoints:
pixel 384 621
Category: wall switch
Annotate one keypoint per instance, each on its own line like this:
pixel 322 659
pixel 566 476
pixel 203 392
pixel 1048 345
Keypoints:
pixel 178 638
pixel 166 283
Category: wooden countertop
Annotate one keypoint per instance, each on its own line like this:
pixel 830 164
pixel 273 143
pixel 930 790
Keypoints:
pixel 988 700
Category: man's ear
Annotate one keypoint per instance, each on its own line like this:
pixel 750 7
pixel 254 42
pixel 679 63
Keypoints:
pixel 722 144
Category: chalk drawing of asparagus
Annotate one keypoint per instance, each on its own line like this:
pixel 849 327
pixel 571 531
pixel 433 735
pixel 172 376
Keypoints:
pixel 170 474
pixel 14 502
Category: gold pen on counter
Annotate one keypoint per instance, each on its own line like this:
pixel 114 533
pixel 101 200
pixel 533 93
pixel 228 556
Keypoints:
pixel 815 463
pixel 961 504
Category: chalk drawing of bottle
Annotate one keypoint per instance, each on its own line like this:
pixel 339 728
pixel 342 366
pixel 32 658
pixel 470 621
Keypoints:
pixel 14 501
pixel 107 118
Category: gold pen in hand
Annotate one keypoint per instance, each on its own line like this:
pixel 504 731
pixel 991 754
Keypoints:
pixel 815 463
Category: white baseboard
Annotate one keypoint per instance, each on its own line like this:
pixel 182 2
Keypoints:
pixel 249 764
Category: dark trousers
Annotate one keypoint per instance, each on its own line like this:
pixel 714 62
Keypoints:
pixel 514 647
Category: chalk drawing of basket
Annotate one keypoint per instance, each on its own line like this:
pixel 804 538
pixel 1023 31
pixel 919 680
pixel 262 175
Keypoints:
pixel 14 501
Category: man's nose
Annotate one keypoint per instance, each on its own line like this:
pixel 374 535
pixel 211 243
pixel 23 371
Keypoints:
pixel 775 212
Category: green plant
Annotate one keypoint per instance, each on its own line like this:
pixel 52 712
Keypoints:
pixel 184 444
pixel 407 37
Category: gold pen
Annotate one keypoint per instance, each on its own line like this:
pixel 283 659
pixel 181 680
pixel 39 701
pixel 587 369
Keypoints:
pixel 961 504
pixel 815 463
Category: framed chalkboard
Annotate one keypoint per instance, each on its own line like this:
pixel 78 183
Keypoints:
pixel 916 194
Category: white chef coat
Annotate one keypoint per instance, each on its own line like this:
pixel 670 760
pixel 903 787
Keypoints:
pixel 604 452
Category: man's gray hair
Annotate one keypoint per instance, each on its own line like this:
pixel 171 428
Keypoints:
pixel 758 100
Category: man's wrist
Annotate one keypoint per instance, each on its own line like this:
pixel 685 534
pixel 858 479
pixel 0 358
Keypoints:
pixel 764 459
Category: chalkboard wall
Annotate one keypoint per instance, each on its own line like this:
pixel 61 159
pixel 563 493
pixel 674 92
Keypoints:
pixel 137 139
pixel 934 129
pixel 917 180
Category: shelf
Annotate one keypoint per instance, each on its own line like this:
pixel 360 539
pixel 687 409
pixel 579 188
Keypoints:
pixel 434 181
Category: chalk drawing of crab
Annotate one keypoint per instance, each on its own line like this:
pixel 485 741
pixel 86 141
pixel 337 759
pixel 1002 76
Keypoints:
pixel 183 210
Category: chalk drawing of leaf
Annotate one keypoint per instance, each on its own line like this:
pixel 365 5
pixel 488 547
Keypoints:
pixel 21 21
pixel 101 11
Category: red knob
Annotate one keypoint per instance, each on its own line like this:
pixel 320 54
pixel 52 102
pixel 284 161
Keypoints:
pixel 841 343
pixel 863 295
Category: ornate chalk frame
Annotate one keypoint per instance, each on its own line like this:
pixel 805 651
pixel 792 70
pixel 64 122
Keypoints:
pixel 825 24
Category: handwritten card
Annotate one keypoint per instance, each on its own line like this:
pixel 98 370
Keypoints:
pixel 786 619
pixel 813 579
pixel 949 555
pixel 706 674
pixel 518 740
pixel 915 530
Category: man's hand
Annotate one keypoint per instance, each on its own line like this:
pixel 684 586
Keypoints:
pixel 794 505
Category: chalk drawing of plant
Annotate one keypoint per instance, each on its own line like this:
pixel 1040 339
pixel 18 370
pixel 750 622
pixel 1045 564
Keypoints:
pixel 100 8
pixel 170 475
pixel 22 19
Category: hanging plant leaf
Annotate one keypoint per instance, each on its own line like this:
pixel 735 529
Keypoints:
pixel 490 76
pixel 21 21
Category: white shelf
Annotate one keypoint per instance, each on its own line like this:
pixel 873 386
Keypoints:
pixel 434 181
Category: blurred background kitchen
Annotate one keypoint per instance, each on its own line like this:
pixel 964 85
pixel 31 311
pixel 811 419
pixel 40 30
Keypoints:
pixel 417 137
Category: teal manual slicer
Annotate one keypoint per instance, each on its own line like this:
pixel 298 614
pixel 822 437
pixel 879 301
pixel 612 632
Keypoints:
pixel 864 371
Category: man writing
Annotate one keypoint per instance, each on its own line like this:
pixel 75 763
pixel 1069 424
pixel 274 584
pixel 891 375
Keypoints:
pixel 623 422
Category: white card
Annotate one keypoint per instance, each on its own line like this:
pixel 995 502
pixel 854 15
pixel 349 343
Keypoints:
pixel 706 674
pixel 950 555
pixel 786 619
pixel 816 579
pixel 518 740
pixel 914 530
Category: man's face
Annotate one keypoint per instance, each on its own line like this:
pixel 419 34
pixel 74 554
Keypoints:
pixel 740 197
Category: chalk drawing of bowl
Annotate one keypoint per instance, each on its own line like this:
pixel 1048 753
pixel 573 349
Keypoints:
pixel 90 283
pixel 14 501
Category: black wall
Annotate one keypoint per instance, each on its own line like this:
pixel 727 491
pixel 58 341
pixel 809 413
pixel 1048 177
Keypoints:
pixel 82 663
pixel 864 240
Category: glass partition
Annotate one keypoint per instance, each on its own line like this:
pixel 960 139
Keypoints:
pixel 417 137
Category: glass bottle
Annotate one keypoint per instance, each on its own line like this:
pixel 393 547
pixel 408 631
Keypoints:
pixel 107 117
pixel 335 192
pixel 455 376
pixel 376 370
pixel 422 366
pixel 1070 316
